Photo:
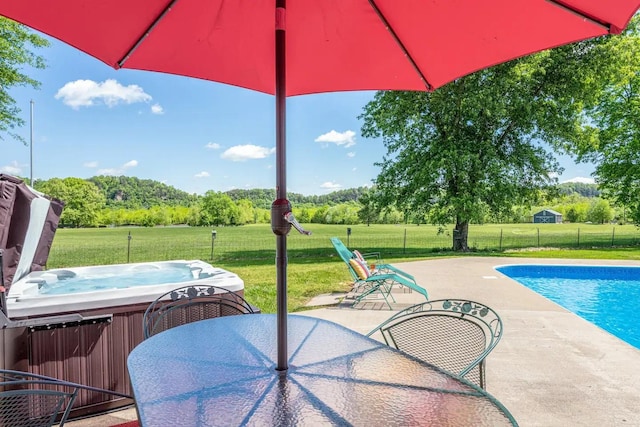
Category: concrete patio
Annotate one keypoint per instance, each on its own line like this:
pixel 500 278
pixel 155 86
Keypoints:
pixel 552 368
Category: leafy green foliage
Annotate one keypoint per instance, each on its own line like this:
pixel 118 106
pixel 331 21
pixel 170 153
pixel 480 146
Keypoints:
pixel 82 199
pixel 132 192
pixel 616 146
pixel 16 45
pixel 479 145
pixel 169 206
pixel 600 212
pixel 219 209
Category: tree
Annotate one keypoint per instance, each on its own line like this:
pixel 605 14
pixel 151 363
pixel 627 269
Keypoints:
pixel 615 148
pixel 344 213
pixel 370 211
pixel 246 213
pixel 82 200
pixel 218 208
pixel 600 212
pixel 320 215
pixel 475 145
pixel 16 42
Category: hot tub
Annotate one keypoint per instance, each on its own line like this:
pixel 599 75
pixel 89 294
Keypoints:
pixel 87 288
pixel 112 299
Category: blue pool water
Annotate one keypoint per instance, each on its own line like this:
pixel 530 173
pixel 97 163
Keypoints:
pixel 608 297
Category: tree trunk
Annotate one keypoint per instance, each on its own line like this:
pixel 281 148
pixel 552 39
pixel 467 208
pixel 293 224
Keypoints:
pixel 460 235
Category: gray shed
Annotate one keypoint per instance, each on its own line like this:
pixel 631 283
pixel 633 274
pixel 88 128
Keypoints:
pixel 547 216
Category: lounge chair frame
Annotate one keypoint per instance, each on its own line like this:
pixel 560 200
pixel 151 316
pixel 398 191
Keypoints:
pixel 381 280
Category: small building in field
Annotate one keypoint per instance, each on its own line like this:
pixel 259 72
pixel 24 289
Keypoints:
pixel 547 216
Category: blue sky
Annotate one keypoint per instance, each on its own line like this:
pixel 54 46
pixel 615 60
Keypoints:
pixel 194 135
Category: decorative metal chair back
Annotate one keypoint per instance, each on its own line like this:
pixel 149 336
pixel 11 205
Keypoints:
pixel 30 400
pixel 192 303
pixel 454 335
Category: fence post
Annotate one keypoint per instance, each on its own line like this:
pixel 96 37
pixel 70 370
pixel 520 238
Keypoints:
pixel 538 237
pixel 404 245
pixel 500 240
pixel 578 237
pixel 213 238
pixel 613 235
pixel 128 247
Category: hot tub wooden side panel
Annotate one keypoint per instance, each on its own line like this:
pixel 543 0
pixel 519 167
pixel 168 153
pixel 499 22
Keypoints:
pixel 90 354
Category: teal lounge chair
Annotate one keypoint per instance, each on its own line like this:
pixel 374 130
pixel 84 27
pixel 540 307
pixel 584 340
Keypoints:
pixel 371 258
pixel 367 283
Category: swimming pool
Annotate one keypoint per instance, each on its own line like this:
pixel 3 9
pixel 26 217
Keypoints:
pixel 607 296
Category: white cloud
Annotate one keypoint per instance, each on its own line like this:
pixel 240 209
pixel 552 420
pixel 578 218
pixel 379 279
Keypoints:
pixel 351 154
pixel 85 93
pixel 157 109
pixel 240 153
pixel 212 146
pixel 582 180
pixel 354 169
pixel 346 138
pixel 92 164
pixel 202 174
pixel 330 186
pixel 118 171
pixel 12 169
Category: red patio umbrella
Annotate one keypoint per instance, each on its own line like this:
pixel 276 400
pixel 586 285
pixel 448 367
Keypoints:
pixel 311 46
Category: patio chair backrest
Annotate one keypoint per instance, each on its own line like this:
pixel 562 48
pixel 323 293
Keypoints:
pixel 32 400
pixel 454 335
pixel 192 303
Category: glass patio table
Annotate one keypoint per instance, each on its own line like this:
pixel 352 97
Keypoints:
pixel 222 372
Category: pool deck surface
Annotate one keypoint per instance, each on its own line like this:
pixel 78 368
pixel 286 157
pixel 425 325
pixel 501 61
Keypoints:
pixel 552 368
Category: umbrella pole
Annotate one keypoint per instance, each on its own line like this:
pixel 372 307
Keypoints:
pixel 281 205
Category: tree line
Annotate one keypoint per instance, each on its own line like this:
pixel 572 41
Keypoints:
pixel 119 201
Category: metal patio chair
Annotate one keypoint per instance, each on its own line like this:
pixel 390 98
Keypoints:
pixel 192 303
pixel 452 334
pixel 367 282
pixel 31 400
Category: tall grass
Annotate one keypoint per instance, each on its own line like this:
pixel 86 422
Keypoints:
pixel 314 267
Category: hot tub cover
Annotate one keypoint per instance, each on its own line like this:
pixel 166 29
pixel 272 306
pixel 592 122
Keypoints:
pixel 28 222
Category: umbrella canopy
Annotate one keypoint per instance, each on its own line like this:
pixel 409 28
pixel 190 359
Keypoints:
pixel 311 46
pixel 332 45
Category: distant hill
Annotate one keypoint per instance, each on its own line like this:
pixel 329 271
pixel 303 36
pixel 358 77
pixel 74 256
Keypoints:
pixel 585 190
pixel 132 192
pixel 262 198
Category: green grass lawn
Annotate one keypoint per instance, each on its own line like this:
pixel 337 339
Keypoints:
pixel 314 267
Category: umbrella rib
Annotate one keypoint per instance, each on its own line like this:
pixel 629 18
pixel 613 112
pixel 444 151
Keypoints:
pixel 561 4
pixel 401 45
pixel 146 33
